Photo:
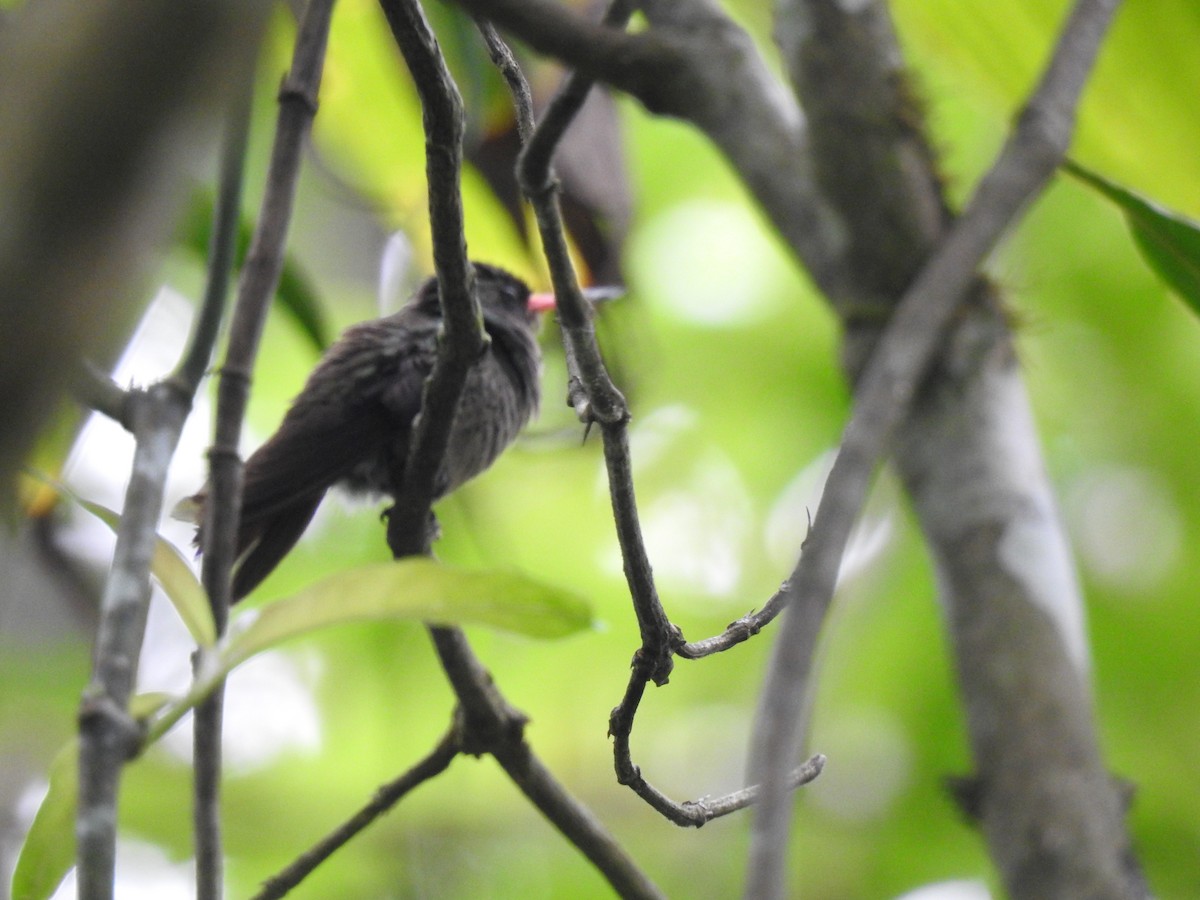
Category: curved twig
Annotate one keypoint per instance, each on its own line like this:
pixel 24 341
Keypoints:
pixel 590 387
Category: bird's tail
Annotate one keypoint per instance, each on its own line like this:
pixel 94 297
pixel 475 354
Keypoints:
pixel 263 540
pixel 273 540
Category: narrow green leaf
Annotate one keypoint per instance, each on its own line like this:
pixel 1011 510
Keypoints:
pixel 419 589
pixel 168 566
pixel 1168 241
pixel 49 849
pixel 414 589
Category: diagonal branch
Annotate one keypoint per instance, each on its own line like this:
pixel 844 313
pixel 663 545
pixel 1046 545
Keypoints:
pixel 660 639
pixel 434 763
pixel 885 393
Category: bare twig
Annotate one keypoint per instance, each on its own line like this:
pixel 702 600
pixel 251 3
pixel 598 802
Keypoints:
pixel 491 724
pixel 740 629
pixel 884 394
pixel 593 393
pixel 690 813
pixel 463 338
pixel 589 381
pixel 94 389
pixel 542 142
pixel 222 245
pixel 387 796
pixel 260 277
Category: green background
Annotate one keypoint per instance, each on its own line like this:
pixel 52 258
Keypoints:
pixel 730 363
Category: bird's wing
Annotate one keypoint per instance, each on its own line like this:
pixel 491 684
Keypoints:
pixel 313 448
pixel 360 400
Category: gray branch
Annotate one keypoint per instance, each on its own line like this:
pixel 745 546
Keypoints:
pixel 82 196
pixel 222 510
pixel 693 64
pixel 987 509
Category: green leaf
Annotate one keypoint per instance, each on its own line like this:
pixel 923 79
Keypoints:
pixel 49 849
pixel 168 566
pixel 1168 241
pixel 420 589
pixel 412 589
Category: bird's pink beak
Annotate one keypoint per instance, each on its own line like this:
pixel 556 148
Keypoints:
pixel 540 303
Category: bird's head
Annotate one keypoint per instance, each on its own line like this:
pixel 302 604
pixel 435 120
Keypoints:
pixel 505 297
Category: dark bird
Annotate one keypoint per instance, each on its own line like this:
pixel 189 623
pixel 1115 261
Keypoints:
pixel 351 423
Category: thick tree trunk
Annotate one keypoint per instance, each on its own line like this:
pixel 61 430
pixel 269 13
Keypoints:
pixel 970 458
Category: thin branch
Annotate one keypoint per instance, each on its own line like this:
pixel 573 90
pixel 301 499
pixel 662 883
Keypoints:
pixel 463 339
pixel 739 630
pixel 260 277
pixel 491 724
pixel 690 813
pixel 593 393
pixel 222 244
pixel 94 389
pixel 387 796
pixel 884 395
pixel 709 809
pixel 591 386
pixel 541 144
pixel 108 735
pixel 506 64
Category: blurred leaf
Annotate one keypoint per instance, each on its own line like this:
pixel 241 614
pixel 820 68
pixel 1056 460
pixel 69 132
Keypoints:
pixel 50 453
pixel 419 589
pixel 49 849
pixel 412 589
pixel 369 130
pixel 1169 242
pixel 295 291
pixel 168 566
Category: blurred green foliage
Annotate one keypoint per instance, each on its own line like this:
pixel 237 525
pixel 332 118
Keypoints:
pixel 737 398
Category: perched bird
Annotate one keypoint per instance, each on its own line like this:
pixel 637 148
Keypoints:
pixel 350 425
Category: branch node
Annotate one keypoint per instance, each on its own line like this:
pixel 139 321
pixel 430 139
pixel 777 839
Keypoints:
pixel 100 713
pixel 295 90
